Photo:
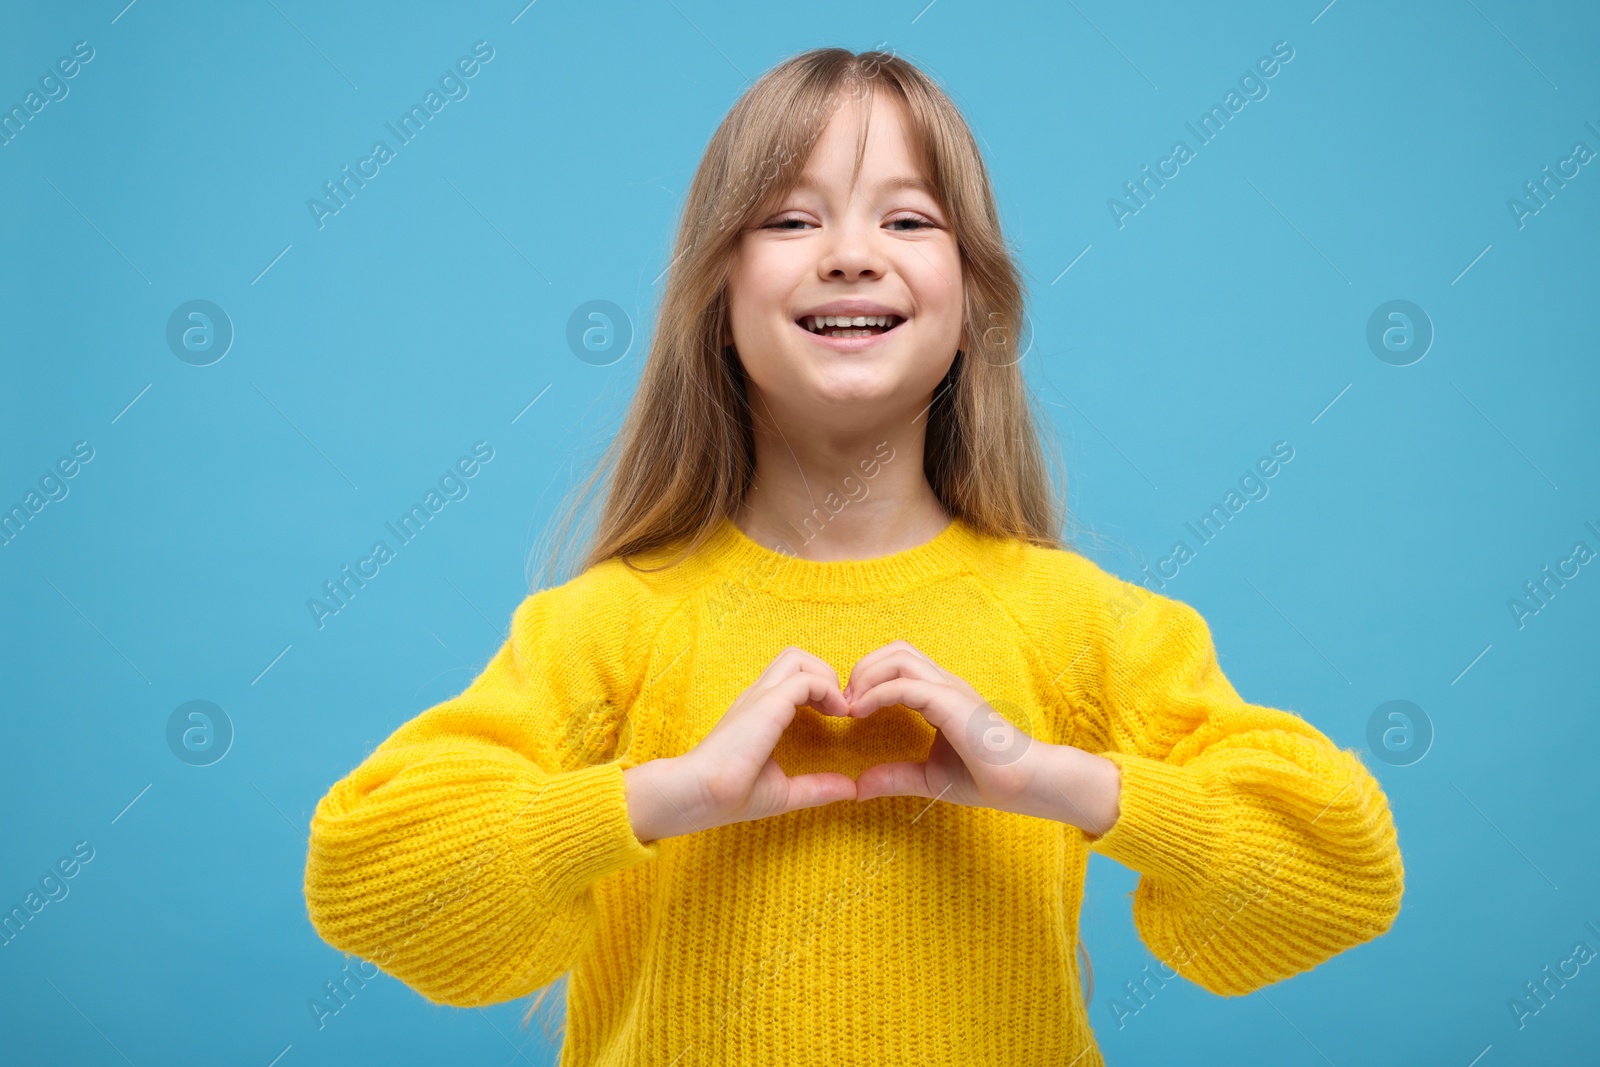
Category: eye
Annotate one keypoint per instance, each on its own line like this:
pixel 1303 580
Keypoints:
pixel 784 224
pixel 915 221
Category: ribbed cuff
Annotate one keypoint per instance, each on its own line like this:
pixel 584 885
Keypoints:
pixel 584 833
pixel 1169 823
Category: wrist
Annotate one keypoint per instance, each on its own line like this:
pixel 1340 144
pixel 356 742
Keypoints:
pixel 655 808
pixel 1079 788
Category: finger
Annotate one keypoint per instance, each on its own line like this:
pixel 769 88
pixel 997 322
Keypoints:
pixel 876 655
pixel 793 659
pixel 900 662
pixel 815 790
pixel 903 779
pixel 823 696
pixel 809 689
pixel 963 725
pixel 936 701
pixel 753 732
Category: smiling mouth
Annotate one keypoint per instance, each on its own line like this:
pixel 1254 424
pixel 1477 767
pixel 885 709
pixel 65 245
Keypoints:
pixel 848 325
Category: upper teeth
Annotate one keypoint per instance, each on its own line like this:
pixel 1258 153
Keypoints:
pixel 817 322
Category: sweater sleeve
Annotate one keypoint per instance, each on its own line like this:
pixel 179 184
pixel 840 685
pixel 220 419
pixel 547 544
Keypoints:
pixel 460 855
pixel 1263 848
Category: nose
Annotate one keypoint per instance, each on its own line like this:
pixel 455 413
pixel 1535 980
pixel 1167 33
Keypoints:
pixel 851 253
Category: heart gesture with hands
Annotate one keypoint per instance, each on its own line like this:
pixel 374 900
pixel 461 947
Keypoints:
pixel 979 757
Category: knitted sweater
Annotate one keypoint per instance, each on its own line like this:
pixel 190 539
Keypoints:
pixel 484 849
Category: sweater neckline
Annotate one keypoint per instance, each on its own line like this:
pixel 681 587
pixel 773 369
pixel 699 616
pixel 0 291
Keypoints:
pixel 736 555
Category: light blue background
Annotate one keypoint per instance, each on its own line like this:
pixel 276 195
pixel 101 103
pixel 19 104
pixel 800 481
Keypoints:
pixel 1225 316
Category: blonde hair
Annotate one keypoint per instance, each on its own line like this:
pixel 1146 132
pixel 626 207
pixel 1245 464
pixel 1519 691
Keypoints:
pixel 685 453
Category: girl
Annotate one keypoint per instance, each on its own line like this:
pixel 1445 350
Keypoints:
pixel 660 784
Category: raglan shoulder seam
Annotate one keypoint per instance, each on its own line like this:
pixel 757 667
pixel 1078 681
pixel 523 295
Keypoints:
pixel 1063 577
pixel 644 611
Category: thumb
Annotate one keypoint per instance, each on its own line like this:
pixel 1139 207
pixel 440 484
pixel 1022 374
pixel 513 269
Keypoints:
pixel 814 790
pixel 905 779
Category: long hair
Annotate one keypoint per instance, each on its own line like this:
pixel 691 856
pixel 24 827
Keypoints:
pixel 685 454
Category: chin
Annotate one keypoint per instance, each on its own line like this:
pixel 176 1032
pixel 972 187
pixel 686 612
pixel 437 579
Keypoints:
pixel 850 389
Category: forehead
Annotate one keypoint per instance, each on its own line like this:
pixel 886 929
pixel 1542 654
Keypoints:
pixel 890 160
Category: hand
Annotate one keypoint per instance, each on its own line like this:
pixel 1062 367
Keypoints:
pixel 730 776
pixel 979 758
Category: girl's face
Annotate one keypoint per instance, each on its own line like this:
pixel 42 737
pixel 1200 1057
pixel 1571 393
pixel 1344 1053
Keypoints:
pixel 883 248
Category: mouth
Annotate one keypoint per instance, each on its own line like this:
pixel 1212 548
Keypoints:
pixel 849 327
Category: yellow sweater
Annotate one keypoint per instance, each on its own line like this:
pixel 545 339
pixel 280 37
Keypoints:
pixel 484 848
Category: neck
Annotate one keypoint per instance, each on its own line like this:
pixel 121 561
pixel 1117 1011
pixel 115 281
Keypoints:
pixel 846 498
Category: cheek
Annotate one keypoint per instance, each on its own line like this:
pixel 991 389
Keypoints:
pixel 936 285
pixel 758 286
